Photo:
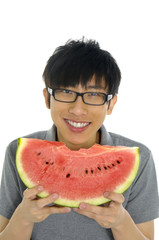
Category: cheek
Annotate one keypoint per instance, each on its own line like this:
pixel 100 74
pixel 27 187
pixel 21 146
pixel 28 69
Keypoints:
pixel 54 110
pixel 53 114
pixel 57 109
pixel 101 113
pixel 99 117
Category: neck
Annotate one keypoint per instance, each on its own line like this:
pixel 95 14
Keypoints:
pixel 76 147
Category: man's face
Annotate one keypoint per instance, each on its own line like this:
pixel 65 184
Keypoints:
pixel 78 123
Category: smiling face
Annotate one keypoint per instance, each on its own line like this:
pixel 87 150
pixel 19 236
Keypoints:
pixel 78 123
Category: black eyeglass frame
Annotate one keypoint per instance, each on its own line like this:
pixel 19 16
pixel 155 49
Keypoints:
pixel 108 97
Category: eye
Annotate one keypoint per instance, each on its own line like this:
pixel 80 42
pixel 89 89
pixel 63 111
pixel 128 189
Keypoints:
pixel 66 92
pixel 94 94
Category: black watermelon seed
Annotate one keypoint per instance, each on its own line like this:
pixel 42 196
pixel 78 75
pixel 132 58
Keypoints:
pixel 86 171
pixel 118 162
pixel 47 162
pixel 99 168
pixel 105 167
pixel 92 171
pixel 113 165
pixel 68 175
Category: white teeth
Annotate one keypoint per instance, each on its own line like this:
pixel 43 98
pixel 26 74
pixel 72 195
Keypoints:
pixel 77 125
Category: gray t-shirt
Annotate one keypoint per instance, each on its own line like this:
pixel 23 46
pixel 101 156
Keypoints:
pixel 141 199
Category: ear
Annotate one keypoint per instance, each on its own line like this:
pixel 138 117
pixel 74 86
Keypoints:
pixel 112 104
pixel 46 97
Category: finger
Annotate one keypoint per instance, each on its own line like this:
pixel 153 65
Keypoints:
pixel 90 208
pixel 86 209
pixel 46 211
pixel 42 202
pixel 86 213
pixel 32 192
pixel 116 197
pixel 59 209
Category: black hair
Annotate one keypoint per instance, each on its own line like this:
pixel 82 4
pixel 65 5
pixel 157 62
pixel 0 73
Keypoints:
pixel 77 62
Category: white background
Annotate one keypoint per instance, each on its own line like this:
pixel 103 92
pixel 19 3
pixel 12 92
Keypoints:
pixel 32 29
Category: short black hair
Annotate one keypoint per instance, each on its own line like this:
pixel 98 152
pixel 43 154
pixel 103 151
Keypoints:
pixel 77 62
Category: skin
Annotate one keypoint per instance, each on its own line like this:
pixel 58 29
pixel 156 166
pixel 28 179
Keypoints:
pixel 112 215
pixel 79 112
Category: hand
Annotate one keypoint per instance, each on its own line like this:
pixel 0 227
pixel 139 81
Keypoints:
pixel 34 209
pixel 108 216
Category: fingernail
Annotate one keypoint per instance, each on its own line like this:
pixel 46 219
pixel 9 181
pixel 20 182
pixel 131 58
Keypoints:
pixel 106 194
pixel 83 205
pixel 75 209
pixel 54 196
pixel 40 188
pixel 67 209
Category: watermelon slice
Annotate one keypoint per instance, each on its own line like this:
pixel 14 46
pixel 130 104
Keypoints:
pixel 77 176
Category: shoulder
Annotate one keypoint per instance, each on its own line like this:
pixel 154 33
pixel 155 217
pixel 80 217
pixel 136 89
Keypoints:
pixel 146 158
pixel 124 141
pixel 114 139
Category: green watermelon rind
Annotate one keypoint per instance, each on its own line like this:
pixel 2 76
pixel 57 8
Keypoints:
pixel 72 203
pixel 19 167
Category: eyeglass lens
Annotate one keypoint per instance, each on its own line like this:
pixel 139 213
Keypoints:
pixel 70 96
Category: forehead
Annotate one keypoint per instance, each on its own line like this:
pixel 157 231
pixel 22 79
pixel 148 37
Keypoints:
pixel 92 85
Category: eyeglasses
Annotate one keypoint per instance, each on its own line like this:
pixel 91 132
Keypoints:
pixel 69 96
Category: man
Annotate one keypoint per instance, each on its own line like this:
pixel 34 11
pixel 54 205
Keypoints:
pixel 82 83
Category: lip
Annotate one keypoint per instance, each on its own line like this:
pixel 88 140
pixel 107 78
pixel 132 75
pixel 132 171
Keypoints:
pixel 75 129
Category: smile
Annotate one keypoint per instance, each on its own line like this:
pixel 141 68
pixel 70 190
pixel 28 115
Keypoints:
pixel 77 124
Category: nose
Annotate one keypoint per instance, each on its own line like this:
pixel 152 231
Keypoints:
pixel 78 107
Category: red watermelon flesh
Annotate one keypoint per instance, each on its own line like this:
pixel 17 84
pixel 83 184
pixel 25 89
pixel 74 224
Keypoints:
pixel 77 176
